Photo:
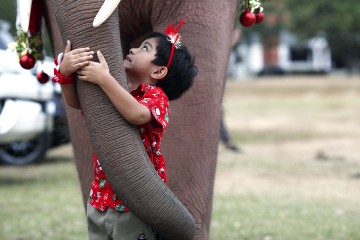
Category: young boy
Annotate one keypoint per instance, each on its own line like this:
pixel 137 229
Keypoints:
pixel 158 71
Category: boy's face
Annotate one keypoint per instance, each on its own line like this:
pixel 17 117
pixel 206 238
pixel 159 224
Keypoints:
pixel 138 63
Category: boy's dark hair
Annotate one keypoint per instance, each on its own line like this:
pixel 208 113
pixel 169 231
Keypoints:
pixel 182 71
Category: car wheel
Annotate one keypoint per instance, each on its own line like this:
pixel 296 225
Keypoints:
pixel 25 152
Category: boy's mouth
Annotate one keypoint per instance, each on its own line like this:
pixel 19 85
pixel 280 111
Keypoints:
pixel 128 58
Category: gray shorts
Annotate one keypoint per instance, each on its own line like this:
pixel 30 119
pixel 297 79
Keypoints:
pixel 114 225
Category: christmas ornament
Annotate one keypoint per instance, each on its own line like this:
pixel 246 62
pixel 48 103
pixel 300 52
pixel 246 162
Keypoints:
pixel 27 61
pixel 254 4
pixel 29 37
pixel 252 12
pixel 259 17
pixel 29 43
pixel 42 77
pixel 247 18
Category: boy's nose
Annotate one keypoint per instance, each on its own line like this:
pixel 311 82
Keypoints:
pixel 132 51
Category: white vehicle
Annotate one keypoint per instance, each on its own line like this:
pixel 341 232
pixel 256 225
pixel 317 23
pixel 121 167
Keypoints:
pixel 30 112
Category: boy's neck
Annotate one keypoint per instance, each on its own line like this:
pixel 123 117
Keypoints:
pixel 135 83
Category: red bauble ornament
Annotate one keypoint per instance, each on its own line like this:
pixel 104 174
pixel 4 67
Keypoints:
pixel 42 77
pixel 247 18
pixel 27 61
pixel 259 17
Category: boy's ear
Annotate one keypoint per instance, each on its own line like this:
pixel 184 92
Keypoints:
pixel 159 73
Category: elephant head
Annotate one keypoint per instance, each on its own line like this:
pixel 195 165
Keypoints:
pixel 190 144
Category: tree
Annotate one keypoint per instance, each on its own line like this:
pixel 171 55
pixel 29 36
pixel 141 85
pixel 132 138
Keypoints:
pixel 8 13
pixel 338 20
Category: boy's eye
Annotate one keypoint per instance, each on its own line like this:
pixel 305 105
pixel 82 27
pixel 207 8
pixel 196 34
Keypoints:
pixel 144 48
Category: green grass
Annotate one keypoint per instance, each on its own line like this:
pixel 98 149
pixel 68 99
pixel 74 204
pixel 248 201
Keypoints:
pixel 41 202
pixel 44 202
pixel 265 216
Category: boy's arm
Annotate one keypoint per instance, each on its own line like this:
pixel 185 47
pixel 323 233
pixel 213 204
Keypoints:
pixel 98 73
pixel 124 102
pixel 72 61
pixel 70 95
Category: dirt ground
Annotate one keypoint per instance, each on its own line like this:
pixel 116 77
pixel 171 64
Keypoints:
pixel 299 135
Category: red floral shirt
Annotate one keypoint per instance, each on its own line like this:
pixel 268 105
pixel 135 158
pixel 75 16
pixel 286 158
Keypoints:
pixel 101 194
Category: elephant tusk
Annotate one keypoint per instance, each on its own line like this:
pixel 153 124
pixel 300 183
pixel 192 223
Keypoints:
pixel 25 10
pixel 105 11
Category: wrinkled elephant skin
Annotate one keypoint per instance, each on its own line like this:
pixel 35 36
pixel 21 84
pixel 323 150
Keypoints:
pixel 190 143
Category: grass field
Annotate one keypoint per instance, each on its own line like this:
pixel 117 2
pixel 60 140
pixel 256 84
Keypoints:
pixel 298 177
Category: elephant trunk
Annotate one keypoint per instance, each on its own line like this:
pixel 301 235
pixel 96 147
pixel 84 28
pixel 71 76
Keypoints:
pixel 116 142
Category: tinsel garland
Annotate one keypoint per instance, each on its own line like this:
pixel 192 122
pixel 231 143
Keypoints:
pixel 252 5
pixel 31 43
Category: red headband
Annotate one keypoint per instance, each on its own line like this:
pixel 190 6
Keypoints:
pixel 174 39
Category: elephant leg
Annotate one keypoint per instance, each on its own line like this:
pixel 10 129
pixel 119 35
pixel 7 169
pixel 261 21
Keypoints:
pixel 190 144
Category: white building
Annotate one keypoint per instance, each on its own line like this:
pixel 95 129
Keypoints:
pixel 250 57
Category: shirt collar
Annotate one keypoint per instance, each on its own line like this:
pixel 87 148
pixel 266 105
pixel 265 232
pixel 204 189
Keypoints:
pixel 142 88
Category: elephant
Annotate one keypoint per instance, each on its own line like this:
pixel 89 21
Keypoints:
pixel 190 143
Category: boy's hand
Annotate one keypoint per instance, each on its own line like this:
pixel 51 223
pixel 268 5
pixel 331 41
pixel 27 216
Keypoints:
pixel 94 72
pixel 75 59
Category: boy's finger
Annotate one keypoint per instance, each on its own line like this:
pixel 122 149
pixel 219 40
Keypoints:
pixel 82 59
pixel 80 50
pixel 82 64
pixel 101 57
pixel 82 77
pixel 84 54
pixel 68 46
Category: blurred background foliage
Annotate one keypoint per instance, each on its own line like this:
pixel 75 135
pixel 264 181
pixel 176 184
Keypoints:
pixel 8 13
